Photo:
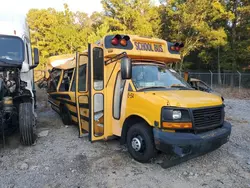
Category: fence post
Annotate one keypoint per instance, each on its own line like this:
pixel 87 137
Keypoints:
pixel 239 79
pixel 211 79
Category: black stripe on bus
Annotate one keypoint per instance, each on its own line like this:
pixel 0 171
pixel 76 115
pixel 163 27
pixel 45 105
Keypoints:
pixel 82 105
pixel 82 117
pixel 65 96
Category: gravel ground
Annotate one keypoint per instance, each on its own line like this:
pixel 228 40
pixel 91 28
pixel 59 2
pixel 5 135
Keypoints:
pixel 60 159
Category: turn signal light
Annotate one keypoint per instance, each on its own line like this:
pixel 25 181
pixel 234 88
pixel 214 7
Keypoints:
pixel 123 42
pixel 172 48
pixel 173 125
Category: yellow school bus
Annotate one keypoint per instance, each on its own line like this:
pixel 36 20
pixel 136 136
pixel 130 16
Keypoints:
pixel 122 87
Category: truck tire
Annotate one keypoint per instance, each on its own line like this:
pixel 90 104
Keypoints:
pixel 65 115
pixel 140 142
pixel 26 126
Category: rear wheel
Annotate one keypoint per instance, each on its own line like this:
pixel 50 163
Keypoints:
pixel 140 142
pixel 26 124
pixel 65 115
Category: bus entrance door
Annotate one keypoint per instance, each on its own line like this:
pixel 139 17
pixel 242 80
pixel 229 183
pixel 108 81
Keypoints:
pixel 90 103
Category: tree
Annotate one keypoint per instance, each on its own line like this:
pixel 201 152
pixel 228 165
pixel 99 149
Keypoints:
pixel 58 32
pixel 132 17
pixel 196 23
pixel 237 52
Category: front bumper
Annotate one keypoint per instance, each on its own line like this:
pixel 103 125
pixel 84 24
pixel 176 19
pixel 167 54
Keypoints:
pixel 183 144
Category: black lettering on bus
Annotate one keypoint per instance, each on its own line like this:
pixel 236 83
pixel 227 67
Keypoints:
pixel 137 46
pixel 158 48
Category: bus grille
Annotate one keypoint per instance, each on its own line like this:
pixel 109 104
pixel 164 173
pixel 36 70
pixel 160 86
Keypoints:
pixel 208 117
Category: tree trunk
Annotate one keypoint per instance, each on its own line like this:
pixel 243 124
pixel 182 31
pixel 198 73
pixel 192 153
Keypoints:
pixel 219 75
pixel 181 63
pixel 234 63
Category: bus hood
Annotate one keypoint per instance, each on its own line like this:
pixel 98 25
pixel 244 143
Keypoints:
pixel 187 98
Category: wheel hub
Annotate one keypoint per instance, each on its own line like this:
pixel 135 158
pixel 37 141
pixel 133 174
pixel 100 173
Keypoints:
pixel 136 144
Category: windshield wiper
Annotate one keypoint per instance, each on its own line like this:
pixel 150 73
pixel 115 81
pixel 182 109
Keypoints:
pixel 10 63
pixel 3 61
pixel 153 87
pixel 180 87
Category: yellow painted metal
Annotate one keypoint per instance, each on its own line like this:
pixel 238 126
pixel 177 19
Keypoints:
pixel 146 105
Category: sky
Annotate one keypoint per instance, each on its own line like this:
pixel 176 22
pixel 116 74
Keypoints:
pixel 21 7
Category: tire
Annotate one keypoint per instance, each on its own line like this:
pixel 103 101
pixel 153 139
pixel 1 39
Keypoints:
pixel 65 115
pixel 141 133
pixel 26 126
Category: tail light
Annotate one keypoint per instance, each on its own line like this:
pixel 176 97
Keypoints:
pixel 177 46
pixel 115 40
pixel 118 39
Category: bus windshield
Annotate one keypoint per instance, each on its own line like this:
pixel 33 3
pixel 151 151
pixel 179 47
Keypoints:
pixel 11 50
pixel 157 77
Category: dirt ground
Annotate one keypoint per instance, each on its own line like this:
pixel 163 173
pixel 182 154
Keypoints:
pixel 61 159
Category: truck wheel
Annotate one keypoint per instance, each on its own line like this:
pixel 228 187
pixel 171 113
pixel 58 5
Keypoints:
pixel 140 142
pixel 65 115
pixel 26 124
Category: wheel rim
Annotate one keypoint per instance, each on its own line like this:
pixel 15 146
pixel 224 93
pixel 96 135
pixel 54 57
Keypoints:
pixel 138 144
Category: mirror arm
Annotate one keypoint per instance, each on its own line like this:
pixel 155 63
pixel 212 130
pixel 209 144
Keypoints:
pixel 33 66
pixel 111 73
pixel 115 58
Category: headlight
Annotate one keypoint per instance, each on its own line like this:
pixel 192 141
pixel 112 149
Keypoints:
pixel 176 118
pixel 176 114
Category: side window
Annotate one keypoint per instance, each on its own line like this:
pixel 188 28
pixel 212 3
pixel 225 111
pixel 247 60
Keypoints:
pixel 119 87
pixel 54 79
pixel 82 78
pixel 98 68
pixel 67 75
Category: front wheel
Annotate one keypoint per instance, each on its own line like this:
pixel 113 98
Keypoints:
pixel 26 126
pixel 140 142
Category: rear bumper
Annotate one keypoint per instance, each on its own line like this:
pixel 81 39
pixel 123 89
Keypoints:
pixel 187 143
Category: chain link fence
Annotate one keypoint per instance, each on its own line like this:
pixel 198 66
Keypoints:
pixel 215 80
pixel 223 80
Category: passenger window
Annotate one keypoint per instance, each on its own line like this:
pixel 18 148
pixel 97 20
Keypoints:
pixel 119 87
pixel 98 68
pixel 82 78
pixel 67 75
pixel 54 79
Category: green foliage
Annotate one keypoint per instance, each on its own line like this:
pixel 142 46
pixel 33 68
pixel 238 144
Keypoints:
pixel 138 17
pixel 204 26
pixel 196 23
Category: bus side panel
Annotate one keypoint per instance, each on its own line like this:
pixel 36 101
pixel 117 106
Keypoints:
pixel 84 112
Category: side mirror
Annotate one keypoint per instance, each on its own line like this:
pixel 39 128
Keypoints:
pixel 126 68
pixel 36 58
